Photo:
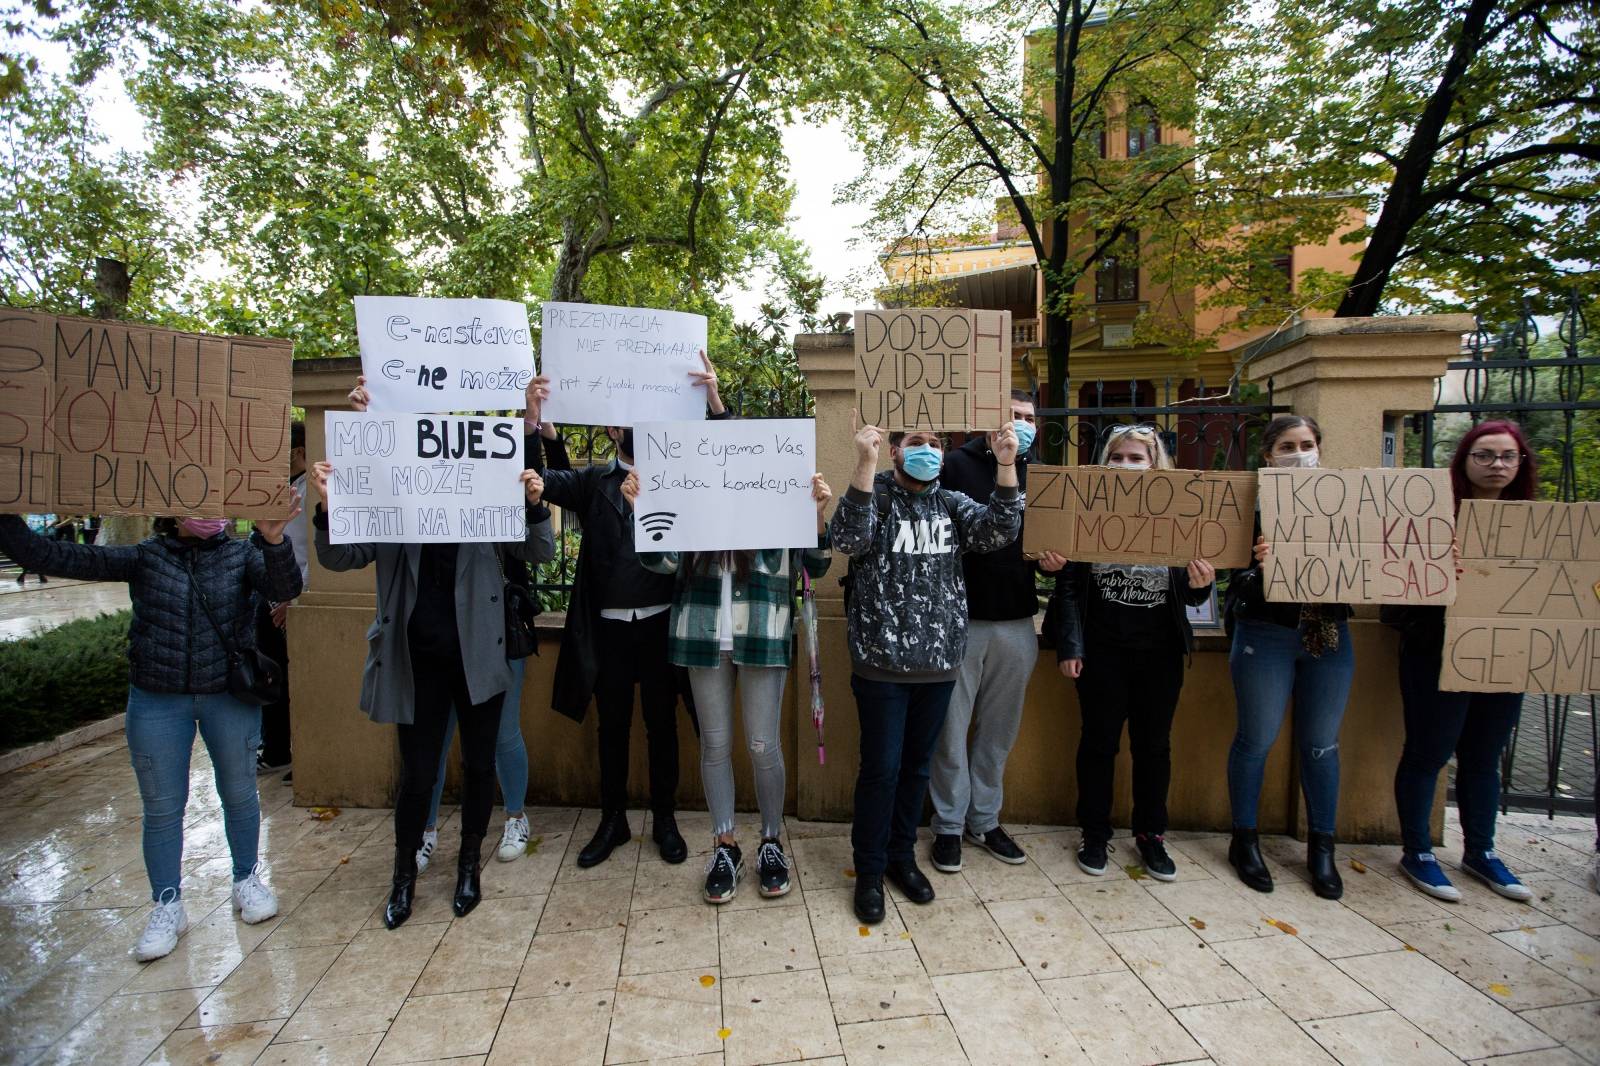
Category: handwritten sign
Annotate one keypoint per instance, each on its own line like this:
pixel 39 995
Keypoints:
pixel 716 486
pixel 115 418
pixel 430 355
pixel 1527 613
pixel 401 478
pixel 1099 515
pixel 937 369
pixel 619 366
pixel 1358 536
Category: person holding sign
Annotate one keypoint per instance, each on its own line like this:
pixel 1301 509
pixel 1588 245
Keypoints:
pixel 733 614
pixel 1282 650
pixel 192 588
pixel 616 634
pixel 1492 462
pixel 1124 635
pixel 967 781
pixel 906 604
pixel 437 644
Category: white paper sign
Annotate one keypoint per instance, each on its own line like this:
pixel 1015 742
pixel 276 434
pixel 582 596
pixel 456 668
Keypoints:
pixel 725 485
pixel 402 478
pixel 620 366
pixel 429 355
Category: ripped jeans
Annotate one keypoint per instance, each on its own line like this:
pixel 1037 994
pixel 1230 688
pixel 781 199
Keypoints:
pixel 761 700
pixel 1269 665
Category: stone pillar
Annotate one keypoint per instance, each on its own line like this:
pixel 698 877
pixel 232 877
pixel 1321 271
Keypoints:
pixel 340 758
pixel 1352 375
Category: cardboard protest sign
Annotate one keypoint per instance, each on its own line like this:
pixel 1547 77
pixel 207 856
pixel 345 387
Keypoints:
pixel 1099 515
pixel 933 369
pixel 404 478
pixel 716 486
pixel 1527 610
pixel 429 355
pixel 1358 536
pixel 115 418
pixel 619 366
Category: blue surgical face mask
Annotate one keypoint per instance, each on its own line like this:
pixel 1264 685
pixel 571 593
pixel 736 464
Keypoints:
pixel 1025 435
pixel 922 461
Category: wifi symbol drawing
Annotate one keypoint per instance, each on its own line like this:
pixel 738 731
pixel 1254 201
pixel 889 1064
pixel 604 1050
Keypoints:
pixel 656 523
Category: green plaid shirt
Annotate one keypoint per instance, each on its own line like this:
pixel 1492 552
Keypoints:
pixel 763 606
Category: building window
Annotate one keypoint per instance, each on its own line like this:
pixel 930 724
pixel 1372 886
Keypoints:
pixel 1144 132
pixel 1272 278
pixel 1116 277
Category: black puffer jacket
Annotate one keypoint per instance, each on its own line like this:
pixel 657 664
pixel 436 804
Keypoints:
pixel 172 647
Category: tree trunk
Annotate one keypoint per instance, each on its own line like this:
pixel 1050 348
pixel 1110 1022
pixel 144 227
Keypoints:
pixel 111 284
pixel 571 265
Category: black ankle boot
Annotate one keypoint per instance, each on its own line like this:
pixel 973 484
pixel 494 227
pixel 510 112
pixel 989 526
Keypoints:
pixel 469 864
pixel 402 889
pixel 1244 854
pixel 1325 880
pixel 612 833
pixel 668 840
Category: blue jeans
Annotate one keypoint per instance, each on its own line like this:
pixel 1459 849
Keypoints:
pixel 900 726
pixel 1473 726
pixel 1269 665
pixel 161 728
pixel 510 753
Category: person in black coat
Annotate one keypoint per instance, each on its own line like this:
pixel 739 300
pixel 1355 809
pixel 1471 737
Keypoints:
pixel 616 632
pixel 192 589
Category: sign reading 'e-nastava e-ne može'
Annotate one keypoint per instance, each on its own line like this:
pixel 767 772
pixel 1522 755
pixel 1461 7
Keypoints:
pixel 619 366
pixel 100 417
pixel 421 354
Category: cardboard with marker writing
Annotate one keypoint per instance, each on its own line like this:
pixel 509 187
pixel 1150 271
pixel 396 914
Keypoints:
pixel 1527 616
pixel 1097 514
pixel 100 417
pixel 1358 536
pixel 933 368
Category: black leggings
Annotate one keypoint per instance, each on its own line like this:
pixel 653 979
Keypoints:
pixel 1140 688
pixel 437 688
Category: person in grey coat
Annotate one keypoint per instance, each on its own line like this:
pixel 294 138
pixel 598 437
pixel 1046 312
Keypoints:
pixel 438 641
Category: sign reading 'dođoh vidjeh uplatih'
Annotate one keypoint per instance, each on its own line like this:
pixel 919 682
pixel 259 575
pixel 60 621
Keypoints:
pixel 1358 536
pixel 431 478
pixel 428 355
pixel 933 368
pixel 102 417
pixel 725 485
pixel 620 366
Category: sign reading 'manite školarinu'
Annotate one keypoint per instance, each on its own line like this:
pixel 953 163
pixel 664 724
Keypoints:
pixel 1527 617
pixel 933 368
pixel 102 417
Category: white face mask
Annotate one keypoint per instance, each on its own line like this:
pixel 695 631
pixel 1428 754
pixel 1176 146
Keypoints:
pixel 1290 459
pixel 1125 464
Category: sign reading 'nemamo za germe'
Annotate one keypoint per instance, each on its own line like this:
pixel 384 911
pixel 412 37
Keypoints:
pixel 619 366
pixel 104 417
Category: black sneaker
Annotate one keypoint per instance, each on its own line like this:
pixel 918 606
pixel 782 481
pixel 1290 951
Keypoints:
pixel 947 853
pixel 264 767
pixel 1092 856
pixel 773 867
pixel 723 873
pixel 998 842
pixel 1154 858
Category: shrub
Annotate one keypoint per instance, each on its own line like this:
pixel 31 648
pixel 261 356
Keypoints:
pixel 60 679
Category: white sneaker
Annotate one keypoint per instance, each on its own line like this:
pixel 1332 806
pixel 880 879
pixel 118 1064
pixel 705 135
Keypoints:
pixel 167 923
pixel 254 901
pixel 514 841
pixel 430 840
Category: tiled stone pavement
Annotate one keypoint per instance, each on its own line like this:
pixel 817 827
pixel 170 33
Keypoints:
pixel 623 963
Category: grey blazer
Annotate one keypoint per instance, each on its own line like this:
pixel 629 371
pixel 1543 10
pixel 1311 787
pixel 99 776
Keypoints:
pixel 386 690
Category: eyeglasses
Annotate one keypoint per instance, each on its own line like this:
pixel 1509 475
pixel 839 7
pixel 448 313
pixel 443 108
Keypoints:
pixel 1490 458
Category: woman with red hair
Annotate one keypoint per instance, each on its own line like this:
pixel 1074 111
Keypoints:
pixel 1492 462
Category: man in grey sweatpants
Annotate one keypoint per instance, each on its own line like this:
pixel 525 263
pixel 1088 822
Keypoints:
pixel 967 781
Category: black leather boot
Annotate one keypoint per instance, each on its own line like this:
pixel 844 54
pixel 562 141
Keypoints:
pixel 469 865
pixel 669 841
pixel 869 898
pixel 1244 854
pixel 1325 880
pixel 613 832
pixel 402 889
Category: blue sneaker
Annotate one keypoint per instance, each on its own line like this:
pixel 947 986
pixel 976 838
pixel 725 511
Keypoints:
pixel 1486 866
pixel 1424 871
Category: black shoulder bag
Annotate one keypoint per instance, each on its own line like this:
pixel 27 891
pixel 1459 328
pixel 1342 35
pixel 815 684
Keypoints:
pixel 522 638
pixel 253 677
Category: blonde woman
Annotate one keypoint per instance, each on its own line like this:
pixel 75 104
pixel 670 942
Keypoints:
pixel 1124 637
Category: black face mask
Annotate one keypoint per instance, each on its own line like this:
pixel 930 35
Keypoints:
pixel 625 445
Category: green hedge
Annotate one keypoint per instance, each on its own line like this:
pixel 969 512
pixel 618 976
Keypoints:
pixel 63 678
